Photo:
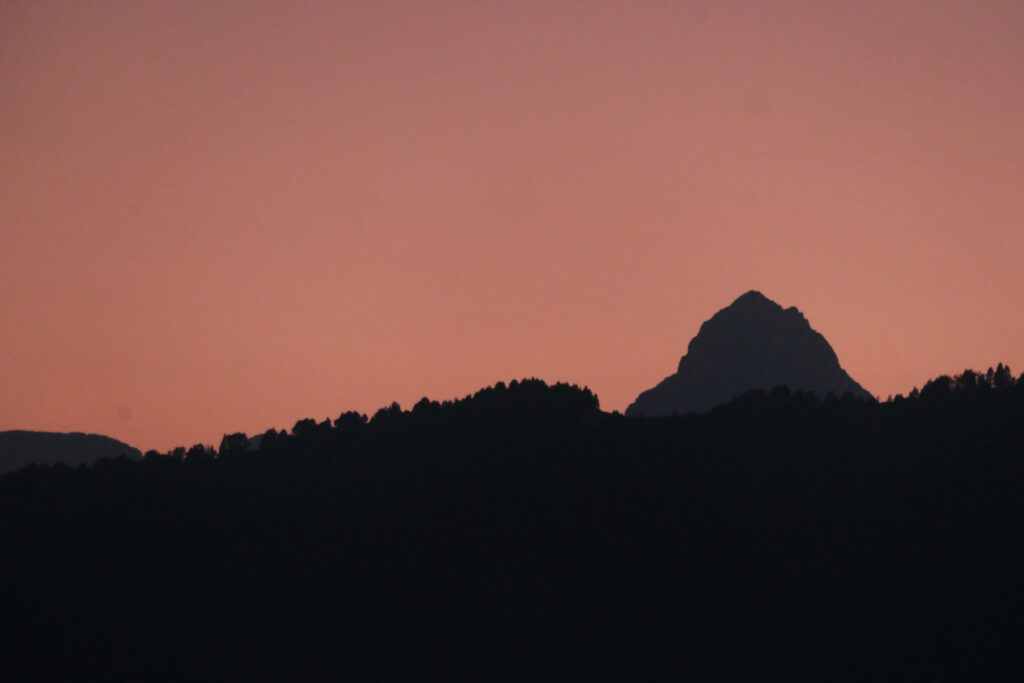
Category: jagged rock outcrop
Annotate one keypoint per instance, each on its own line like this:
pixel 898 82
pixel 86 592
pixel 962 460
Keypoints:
pixel 20 448
pixel 752 344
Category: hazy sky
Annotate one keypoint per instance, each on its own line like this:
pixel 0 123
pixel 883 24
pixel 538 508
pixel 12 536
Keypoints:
pixel 226 216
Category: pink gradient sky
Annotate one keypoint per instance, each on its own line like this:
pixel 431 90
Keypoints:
pixel 226 216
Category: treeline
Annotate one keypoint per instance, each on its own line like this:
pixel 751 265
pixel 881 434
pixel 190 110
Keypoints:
pixel 528 402
pixel 522 534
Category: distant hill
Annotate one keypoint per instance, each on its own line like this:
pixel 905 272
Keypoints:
pixel 20 448
pixel 752 344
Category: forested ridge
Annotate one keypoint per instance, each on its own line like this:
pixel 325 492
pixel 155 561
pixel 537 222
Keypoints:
pixel 522 534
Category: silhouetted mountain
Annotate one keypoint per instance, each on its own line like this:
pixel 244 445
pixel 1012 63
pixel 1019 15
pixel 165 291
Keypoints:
pixel 752 344
pixel 20 448
pixel 520 534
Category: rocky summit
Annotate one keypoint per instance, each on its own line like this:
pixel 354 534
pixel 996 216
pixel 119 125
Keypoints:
pixel 752 344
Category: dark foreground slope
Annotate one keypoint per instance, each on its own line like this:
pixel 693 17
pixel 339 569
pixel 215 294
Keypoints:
pixel 751 344
pixel 20 448
pixel 522 535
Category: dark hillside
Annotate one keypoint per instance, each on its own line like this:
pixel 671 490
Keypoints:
pixel 523 535
pixel 19 448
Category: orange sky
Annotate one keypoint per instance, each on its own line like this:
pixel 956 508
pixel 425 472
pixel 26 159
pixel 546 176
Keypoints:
pixel 226 216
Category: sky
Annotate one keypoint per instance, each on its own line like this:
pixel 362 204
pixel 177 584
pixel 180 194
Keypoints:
pixel 228 216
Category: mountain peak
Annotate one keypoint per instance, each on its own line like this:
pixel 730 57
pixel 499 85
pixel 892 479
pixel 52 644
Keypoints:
pixel 752 297
pixel 754 343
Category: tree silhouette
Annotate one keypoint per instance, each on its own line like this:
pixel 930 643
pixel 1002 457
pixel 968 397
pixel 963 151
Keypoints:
pixel 519 532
